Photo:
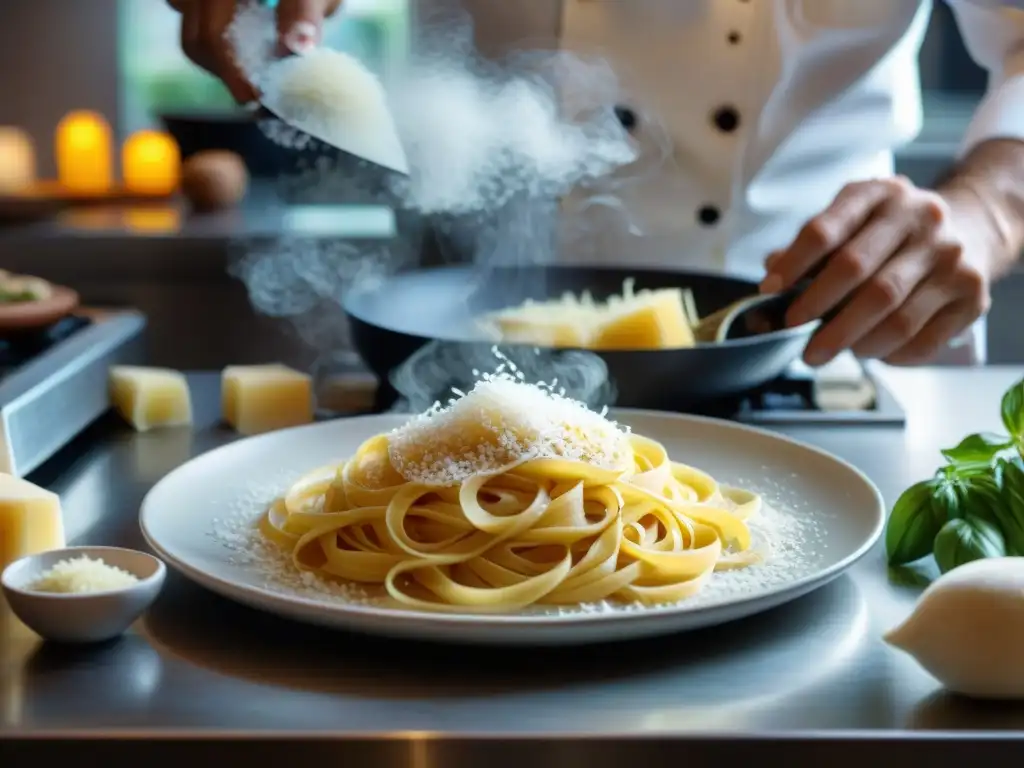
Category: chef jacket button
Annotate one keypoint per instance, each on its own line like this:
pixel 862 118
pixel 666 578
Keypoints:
pixel 727 119
pixel 627 117
pixel 708 215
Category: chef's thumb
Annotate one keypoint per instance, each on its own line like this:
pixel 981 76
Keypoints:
pixel 300 22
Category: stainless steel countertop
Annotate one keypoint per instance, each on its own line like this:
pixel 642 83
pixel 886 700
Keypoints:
pixel 198 664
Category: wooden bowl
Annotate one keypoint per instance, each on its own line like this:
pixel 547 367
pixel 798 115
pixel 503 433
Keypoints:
pixel 30 315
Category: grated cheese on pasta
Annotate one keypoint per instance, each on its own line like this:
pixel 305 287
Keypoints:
pixel 502 421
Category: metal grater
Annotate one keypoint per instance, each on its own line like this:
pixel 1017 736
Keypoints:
pixel 47 399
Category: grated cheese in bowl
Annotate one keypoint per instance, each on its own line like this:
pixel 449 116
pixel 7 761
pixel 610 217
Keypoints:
pixel 81 575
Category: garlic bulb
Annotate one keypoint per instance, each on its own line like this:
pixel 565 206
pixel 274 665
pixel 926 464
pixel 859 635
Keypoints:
pixel 967 629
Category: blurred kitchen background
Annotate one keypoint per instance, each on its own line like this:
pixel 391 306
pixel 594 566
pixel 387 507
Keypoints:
pixel 121 59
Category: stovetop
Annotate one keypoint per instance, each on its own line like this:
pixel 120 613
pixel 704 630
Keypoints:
pixel 845 393
pixel 804 397
pixel 23 347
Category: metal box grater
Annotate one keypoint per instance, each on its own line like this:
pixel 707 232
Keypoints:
pixel 49 398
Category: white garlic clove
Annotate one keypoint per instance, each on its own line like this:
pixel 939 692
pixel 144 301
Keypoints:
pixel 967 629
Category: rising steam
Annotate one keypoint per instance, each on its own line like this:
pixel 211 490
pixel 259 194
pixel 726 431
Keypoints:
pixel 439 368
pixel 494 150
pixel 477 133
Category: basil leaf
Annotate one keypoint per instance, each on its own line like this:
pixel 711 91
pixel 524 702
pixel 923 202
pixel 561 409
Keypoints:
pixel 909 576
pixel 913 524
pixel 949 494
pixel 976 493
pixel 980 449
pixel 965 539
pixel 1013 410
pixel 1011 494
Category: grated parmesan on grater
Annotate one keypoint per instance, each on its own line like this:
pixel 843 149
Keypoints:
pixel 504 420
pixel 333 97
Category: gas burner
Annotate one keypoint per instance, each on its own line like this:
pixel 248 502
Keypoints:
pixel 802 398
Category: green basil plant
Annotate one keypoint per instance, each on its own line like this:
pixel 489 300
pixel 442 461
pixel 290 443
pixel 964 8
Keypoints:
pixel 973 507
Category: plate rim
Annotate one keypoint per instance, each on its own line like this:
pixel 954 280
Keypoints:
pixel 290 605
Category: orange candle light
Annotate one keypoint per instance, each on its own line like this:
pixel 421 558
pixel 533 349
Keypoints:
pixel 151 163
pixel 152 221
pixel 17 160
pixel 85 153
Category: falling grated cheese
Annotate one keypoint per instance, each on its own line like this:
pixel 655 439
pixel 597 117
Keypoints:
pixel 80 575
pixel 502 421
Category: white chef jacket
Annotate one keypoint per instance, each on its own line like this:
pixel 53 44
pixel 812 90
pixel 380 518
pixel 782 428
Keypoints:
pixel 752 114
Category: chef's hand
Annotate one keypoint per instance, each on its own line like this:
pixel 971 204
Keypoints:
pixel 910 273
pixel 204 24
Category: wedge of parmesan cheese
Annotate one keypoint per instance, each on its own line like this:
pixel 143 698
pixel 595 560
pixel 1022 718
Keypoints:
pixel 330 95
pixel 30 520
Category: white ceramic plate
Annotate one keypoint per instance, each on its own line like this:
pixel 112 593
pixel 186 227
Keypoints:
pixel 824 515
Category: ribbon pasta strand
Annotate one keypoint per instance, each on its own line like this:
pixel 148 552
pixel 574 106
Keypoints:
pixel 538 532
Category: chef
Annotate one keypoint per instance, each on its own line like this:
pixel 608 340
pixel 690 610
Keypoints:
pixel 777 120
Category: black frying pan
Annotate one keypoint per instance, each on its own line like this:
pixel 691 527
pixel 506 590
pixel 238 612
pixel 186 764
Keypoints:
pixel 394 319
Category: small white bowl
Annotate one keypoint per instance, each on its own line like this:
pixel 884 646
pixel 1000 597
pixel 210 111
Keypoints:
pixel 91 617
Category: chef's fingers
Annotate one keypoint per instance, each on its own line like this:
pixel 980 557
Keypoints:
pixel 901 327
pixel 193 44
pixel 851 209
pixel 217 16
pixel 191 36
pixel 945 326
pixel 204 45
pixel 883 295
pixel 855 263
pixel 300 22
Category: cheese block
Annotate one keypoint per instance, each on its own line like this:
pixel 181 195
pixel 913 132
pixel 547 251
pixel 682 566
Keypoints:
pixel 30 520
pixel 150 397
pixel 634 320
pixel 549 332
pixel 562 322
pixel 262 398
pixel 648 320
